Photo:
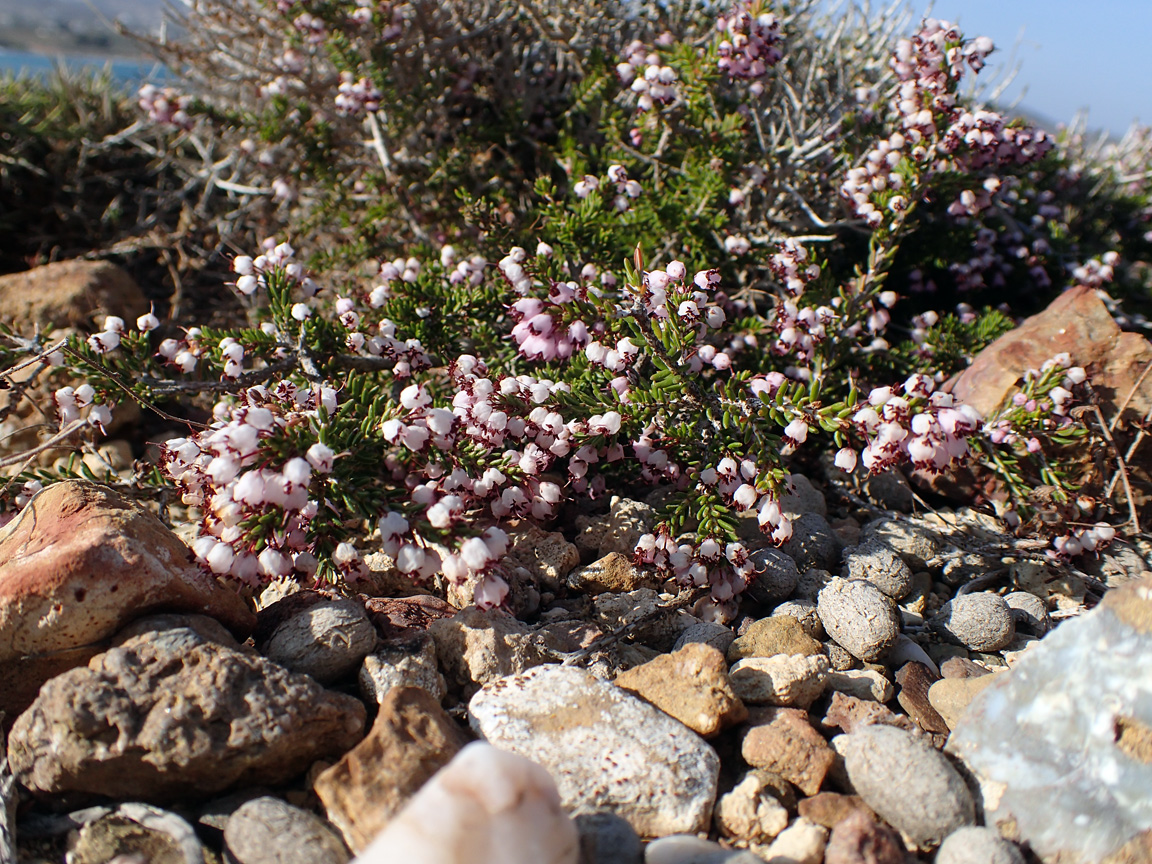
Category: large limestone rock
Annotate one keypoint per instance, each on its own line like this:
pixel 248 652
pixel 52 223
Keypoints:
pixel 605 748
pixel 76 565
pixel 178 713
pixel 1062 743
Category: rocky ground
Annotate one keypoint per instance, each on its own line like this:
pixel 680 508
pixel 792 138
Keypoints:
pixel 893 688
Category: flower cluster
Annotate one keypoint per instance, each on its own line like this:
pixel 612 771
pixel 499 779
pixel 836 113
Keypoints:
pixel 793 267
pixel 1096 271
pixel 226 471
pixel 252 273
pixel 551 328
pixel 1082 540
pixel 356 96
pixel 749 49
pixel 1041 407
pixel 652 81
pixel 918 425
pixel 725 567
pixel 75 403
pixel 165 105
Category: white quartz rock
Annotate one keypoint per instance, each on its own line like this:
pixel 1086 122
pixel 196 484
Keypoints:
pixel 484 807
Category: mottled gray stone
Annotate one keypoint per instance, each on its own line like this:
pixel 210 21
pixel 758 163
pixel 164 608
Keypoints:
pixel 813 543
pixel 327 641
pixel 708 632
pixel 876 562
pixel 605 748
pixel 908 783
pixel 802 498
pixel 916 544
pixel 859 616
pixel 980 621
pixel 805 612
pixel 1062 743
pixel 776 576
pixel 271 831
pixel 407 664
pixel 977 845
pixel 1029 611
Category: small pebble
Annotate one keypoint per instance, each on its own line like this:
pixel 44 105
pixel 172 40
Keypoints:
pixel 776 576
pixel 327 641
pixel 707 632
pixel 977 845
pixel 802 842
pixel 751 811
pixel 606 838
pixel 861 839
pixel 908 783
pixel 794 680
pixel 782 740
pixel 1029 611
pixel 952 696
pixel 862 683
pixel 980 621
pixel 768 637
pixel 875 562
pixel 690 849
pixel 805 612
pixel 859 616
pixel 916 544
pixel 813 543
pixel 962 667
pixel 802 498
pixel 270 831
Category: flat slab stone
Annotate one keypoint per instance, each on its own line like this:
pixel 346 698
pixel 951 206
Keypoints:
pixel 605 748
pixel 1062 743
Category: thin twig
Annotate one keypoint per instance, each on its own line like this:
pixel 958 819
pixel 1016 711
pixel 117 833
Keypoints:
pixel 1132 392
pixel 26 456
pixel 1121 466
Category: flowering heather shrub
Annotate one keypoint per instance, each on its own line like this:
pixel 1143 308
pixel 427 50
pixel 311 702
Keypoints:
pixel 560 254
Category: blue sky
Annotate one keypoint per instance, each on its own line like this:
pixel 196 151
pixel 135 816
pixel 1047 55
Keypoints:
pixel 1072 55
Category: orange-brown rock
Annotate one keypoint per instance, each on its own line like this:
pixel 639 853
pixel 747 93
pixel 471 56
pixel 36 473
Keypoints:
pixel 69 294
pixel 1077 322
pixel 412 739
pixel 76 565
pixel 691 685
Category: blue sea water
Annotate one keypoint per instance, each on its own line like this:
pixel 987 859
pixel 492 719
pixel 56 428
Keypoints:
pixel 126 71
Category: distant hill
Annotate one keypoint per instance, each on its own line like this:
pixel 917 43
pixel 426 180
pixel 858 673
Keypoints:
pixel 47 26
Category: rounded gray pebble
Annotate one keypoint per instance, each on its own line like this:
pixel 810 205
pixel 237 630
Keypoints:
pixel 1029 611
pixel 876 562
pixel 606 838
pixel 813 543
pixel 859 616
pixel 908 783
pixel 270 831
pixel 976 845
pixel 803 498
pixel 326 641
pixel 916 544
pixel 690 849
pixel 980 621
pixel 776 576
pixel 708 632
